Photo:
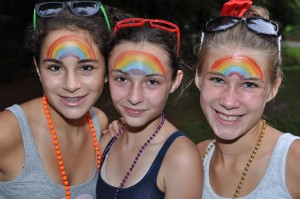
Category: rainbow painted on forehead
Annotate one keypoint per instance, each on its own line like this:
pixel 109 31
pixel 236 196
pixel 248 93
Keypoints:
pixel 243 66
pixel 139 63
pixel 70 45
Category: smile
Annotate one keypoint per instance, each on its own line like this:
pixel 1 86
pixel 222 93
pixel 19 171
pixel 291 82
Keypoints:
pixel 73 99
pixel 227 118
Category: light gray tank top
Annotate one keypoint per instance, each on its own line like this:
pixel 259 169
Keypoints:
pixel 272 184
pixel 33 182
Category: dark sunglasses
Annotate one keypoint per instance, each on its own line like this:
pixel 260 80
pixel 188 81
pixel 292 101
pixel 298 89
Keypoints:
pixel 154 23
pixel 258 25
pixel 81 8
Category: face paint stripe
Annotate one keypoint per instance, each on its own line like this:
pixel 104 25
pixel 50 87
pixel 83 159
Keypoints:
pixel 146 62
pixel 245 66
pixel 72 45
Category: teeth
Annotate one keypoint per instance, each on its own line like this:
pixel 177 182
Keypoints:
pixel 228 118
pixel 73 99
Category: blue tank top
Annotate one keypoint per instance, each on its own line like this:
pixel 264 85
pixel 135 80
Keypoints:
pixel 146 188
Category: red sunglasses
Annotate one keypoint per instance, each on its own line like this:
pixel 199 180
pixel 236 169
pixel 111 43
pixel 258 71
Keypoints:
pixel 154 23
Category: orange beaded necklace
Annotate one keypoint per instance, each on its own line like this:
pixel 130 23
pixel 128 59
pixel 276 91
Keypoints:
pixel 57 147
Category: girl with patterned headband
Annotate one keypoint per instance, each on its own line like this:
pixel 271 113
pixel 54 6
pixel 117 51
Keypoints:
pixel 238 73
pixel 148 158
pixel 49 145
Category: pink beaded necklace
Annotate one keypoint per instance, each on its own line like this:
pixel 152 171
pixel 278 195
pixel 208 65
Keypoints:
pixel 138 154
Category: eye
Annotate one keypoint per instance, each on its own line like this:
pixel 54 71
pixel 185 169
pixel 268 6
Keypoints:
pixel 120 79
pixel 153 82
pixel 250 85
pixel 54 67
pixel 87 67
pixel 217 80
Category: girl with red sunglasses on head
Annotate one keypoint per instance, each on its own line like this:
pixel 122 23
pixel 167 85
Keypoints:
pixel 148 158
pixel 238 73
pixel 49 145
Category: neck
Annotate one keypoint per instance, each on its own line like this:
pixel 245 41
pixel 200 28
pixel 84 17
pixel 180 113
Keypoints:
pixel 239 147
pixel 137 135
pixel 68 126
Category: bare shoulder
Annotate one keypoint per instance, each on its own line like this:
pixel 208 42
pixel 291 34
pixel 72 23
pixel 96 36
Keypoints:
pixel 11 144
pixel 182 167
pixel 292 169
pixel 202 146
pixel 183 153
pixel 9 130
pixel 103 120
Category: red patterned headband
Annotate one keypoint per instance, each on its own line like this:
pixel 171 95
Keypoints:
pixel 235 8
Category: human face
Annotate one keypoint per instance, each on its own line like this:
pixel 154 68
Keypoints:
pixel 140 80
pixel 235 87
pixel 72 72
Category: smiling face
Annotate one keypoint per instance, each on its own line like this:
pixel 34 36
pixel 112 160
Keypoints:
pixel 140 80
pixel 235 87
pixel 72 72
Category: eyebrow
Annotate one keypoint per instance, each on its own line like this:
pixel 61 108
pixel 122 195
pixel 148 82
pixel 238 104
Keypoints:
pixel 79 62
pixel 246 79
pixel 148 75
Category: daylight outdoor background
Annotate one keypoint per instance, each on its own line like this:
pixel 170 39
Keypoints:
pixel 19 82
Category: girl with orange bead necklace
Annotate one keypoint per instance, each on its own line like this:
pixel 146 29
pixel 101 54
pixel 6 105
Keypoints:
pixel 49 145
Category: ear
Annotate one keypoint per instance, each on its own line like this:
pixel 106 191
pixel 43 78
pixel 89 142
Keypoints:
pixel 177 81
pixel 274 89
pixel 36 68
pixel 197 81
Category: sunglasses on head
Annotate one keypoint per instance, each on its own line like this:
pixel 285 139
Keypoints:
pixel 258 25
pixel 81 8
pixel 154 23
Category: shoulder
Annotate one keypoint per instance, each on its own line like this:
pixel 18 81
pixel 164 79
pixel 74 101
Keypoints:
pixel 9 129
pixel 182 167
pixel 10 137
pixel 103 120
pixel 183 154
pixel 202 146
pixel 292 169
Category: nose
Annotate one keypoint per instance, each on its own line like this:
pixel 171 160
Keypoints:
pixel 71 82
pixel 230 98
pixel 135 95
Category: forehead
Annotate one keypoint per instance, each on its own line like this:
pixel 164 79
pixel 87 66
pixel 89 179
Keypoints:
pixel 143 54
pixel 62 42
pixel 229 58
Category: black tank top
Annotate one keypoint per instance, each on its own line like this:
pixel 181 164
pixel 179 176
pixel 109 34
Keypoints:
pixel 146 188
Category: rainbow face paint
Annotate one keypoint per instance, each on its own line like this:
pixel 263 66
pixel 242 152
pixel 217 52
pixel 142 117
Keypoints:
pixel 138 63
pixel 243 66
pixel 70 45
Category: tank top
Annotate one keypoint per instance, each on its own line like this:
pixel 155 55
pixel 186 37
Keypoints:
pixel 146 188
pixel 33 182
pixel 272 184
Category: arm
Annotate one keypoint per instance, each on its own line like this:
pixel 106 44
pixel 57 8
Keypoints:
pixel 182 171
pixel 292 169
pixel 11 147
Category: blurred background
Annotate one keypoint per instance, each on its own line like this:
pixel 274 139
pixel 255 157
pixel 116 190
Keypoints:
pixel 19 82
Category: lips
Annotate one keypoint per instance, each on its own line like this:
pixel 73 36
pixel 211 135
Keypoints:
pixel 228 118
pixel 134 112
pixel 73 101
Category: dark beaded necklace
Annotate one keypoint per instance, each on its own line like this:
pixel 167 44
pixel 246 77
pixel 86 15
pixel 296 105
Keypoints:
pixel 138 154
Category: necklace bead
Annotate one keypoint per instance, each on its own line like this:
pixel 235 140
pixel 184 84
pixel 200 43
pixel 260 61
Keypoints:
pixel 57 146
pixel 137 155
pixel 244 174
